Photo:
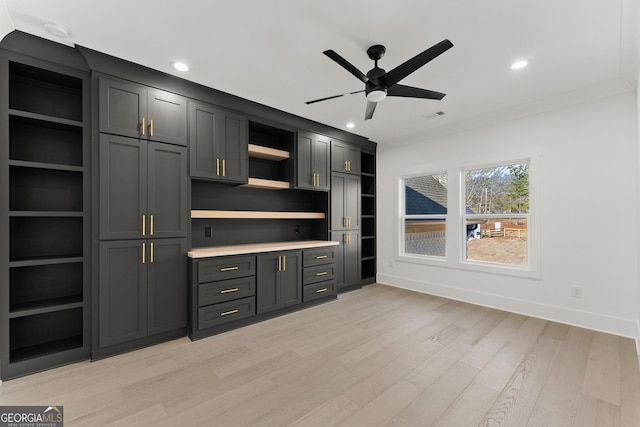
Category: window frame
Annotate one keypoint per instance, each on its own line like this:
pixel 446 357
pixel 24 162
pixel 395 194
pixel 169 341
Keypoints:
pixel 455 253
pixel 404 216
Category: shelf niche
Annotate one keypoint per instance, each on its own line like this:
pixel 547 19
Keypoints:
pixel 270 161
pixel 45 285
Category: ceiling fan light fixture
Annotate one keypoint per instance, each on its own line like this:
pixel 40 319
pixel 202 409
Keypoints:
pixel 376 95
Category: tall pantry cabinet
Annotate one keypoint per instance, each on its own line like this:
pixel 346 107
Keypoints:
pixel 143 216
pixel 44 214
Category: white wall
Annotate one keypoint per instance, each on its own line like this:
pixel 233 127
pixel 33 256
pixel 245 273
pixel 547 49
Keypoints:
pixel 589 193
pixel 6 25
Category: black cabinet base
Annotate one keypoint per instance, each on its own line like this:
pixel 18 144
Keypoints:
pixel 204 333
pixel 101 353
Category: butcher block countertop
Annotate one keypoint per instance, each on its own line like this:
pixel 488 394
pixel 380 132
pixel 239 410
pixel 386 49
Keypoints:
pixel 253 248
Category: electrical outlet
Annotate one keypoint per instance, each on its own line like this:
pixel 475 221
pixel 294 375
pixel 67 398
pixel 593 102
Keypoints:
pixel 297 229
pixel 208 231
pixel 576 291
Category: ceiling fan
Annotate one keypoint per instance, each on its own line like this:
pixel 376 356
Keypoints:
pixel 380 84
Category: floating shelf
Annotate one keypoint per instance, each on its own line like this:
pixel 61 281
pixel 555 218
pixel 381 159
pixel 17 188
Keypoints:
pixel 267 153
pixel 267 184
pixel 255 215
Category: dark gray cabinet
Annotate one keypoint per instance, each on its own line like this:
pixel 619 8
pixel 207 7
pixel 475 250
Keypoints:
pixel 319 273
pixel 312 162
pixel 217 144
pixel 138 111
pixel 143 289
pixel 279 280
pixel 143 189
pixel 345 201
pixel 348 269
pixel 345 157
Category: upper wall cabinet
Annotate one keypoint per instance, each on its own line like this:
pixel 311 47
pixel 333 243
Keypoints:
pixel 137 111
pixel 217 144
pixel 345 157
pixel 312 153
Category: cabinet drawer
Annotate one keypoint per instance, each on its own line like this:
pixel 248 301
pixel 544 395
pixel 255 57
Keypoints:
pixel 226 312
pixel 226 268
pixel 318 274
pixel 226 290
pixel 319 256
pixel 319 290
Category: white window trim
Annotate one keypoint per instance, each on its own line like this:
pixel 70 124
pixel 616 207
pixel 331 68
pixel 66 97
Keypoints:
pixel 455 256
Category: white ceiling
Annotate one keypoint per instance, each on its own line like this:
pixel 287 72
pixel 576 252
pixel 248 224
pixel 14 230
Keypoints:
pixel 271 51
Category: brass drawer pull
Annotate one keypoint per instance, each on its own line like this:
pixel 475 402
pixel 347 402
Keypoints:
pixel 322 273
pixel 226 291
pixel 226 313
pixel 321 257
pixel 229 268
pixel 151 127
pixel 142 128
pixel 319 291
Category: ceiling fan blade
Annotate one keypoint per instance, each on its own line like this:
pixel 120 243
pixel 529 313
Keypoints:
pixel 333 97
pixel 414 92
pixel 371 107
pixel 346 65
pixel 408 67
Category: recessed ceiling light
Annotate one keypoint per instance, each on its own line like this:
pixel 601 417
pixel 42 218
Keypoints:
pixel 518 65
pixel 55 30
pixel 351 125
pixel 181 66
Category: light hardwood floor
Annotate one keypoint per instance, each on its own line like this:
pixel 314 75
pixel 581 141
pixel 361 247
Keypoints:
pixel 378 356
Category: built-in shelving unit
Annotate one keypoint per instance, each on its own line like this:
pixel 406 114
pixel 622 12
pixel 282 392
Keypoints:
pixel 44 301
pixel 368 217
pixel 269 157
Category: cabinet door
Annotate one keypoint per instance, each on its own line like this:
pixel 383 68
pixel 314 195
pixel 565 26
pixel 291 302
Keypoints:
pixel 123 188
pixel 338 216
pixel 122 108
pixel 348 258
pixel 353 157
pixel 352 201
pixel 321 148
pixel 304 166
pixel 267 287
pixel 233 147
pixel 167 208
pixel 291 279
pixel 167 285
pixel 167 121
pixel 203 152
pixel 122 292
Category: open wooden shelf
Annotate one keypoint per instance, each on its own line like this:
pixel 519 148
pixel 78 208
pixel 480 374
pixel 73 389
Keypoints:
pixel 267 184
pixel 255 215
pixel 267 153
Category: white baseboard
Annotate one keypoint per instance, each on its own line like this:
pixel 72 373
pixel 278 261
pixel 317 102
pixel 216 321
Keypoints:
pixel 584 319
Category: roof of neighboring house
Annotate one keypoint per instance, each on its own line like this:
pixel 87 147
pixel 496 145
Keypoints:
pixel 425 195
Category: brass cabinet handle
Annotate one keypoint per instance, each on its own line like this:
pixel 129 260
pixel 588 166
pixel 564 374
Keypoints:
pixel 279 263
pixel 284 263
pixel 226 291
pixel 144 225
pixel 319 291
pixel 150 127
pixel 226 313
pixel 217 167
pixel 144 255
pixel 142 128
pixel 346 165
pixel 321 257
pixel 322 273
pixel 224 167
pixel 151 251
pixel 349 162
pixel 230 268
pixel 151 226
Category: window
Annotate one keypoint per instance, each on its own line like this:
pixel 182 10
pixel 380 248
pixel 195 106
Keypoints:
pixel 425 215
pixel 496 214
pixel 474 218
